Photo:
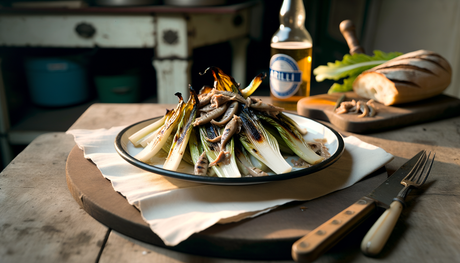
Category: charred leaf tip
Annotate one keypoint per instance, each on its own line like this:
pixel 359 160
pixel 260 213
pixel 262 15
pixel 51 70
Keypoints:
pixel 179 95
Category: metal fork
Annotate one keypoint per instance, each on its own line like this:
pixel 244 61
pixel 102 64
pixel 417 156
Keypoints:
pixel 379 233
pixel 417 176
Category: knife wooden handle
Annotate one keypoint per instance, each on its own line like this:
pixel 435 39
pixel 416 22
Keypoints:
pixel 379 233
pixel 318 241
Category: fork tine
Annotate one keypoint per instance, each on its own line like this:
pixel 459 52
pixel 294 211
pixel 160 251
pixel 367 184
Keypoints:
pixel 428 165
pixel 416 167
pixel 418 175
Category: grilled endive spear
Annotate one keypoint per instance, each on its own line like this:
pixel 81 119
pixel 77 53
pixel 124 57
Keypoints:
pixel 292 137
pixel 182 135
pixel 245 164
pixel 167 146
pixel 255 83
pixel 162 135
pixel 227 168
pixel 284 148
pixel 138 137
pixel 261 144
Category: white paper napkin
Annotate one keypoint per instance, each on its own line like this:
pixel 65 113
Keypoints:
pixel 176 209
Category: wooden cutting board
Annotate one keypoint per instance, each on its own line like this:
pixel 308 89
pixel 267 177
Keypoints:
pixel 265 237
pixel 388 117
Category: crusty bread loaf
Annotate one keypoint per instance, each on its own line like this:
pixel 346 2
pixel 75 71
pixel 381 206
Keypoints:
pixel 410 77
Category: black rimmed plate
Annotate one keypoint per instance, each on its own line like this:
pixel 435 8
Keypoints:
pixel 316 130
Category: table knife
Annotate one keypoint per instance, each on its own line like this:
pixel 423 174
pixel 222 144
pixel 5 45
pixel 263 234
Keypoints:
pixel 321 239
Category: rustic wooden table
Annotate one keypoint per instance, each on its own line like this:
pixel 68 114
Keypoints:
pixel 41 222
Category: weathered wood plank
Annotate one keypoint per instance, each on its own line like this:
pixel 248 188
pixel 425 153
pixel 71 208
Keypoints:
pixel 39 219
pixel 120 248
pixel 117 114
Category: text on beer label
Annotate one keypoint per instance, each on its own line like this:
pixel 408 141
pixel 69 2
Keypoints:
pixel 285 76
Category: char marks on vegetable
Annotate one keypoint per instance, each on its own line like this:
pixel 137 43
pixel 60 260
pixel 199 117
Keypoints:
pixel 224 121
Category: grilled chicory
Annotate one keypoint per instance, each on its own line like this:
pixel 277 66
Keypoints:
pixel 226 141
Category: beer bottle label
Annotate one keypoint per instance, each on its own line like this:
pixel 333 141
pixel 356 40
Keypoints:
pixel 285 76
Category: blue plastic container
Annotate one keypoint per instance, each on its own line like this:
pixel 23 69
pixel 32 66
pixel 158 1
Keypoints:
pixel 56 82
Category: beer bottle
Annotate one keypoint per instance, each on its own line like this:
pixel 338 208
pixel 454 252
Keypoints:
pixel 291 51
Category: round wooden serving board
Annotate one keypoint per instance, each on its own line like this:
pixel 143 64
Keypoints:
pixel 322 106
pixel 266 237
